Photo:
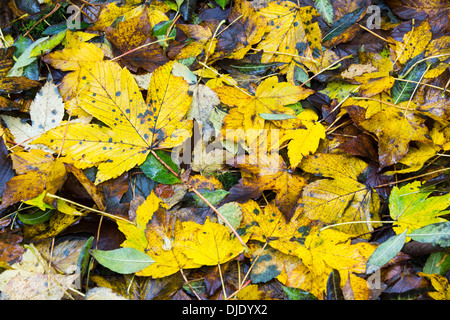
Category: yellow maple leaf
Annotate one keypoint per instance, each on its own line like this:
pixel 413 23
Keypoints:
pixel 440 284
pixel 343 199
pixel 133 126
pixel 394 139
pixel 291 32
pixel 269 225
pixel 330 249
pixel 154 232
pixel 305 139
pixel 270 97
pixel 413 43
pixel 211 243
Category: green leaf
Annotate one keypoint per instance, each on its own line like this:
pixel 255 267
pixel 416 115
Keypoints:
pixel 343 24
pixel 435 233
pixel 36 217
pixel 256 69
pixel 437 262
pixel 156 171
pixel 48 44
pixel 403 90
pixel 83 259
pixel 297 294
pixel 213 197
pixel 222 3
pixel 123 260
pixel 385 252
pixel 231 211
pixel 38 201
pixel 325 9
pixel 276 116
pixel 25 59
pixel 334 291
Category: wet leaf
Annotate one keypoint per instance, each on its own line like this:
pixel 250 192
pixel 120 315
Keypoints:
pixel 386 251
pixel 133 127
pixel 123 260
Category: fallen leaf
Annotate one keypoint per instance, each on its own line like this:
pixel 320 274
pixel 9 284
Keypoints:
pixel 343 199
pixel 134 128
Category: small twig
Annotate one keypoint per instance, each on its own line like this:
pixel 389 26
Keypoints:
pixel 223 283
pixel 188 283
pixel 45 17
pixel 411 178
pixel 354 222
pixel 140 47
pixel 375 34
pixel 106 214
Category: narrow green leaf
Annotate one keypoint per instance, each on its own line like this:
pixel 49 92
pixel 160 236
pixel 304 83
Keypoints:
pixel 385 252
pixel 123 260
pixel 334 291
pixel 156 171
pixel 256 69
pixel 276 116
pixel 343 24
pixel 48 44
pixel 325 9
pixel 403 90
pixel 437 262
pixel 297 294
pixel 83 259
pixel 435 233
pixel 36 217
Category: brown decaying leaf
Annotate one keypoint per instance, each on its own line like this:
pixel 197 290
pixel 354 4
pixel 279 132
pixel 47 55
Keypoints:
pixel 131 34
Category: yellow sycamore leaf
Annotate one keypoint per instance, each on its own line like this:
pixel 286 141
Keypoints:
pixel 264 169
pixel 413 43
pixel 290 33
pixel 269 225
pixel 416 158
pixel 375 82
pixel 305 139
pixel 378 102
pixel 211 243
pixel 343 199
pixel 270 97
pixel 326 250
pixel 156 233
pixel 155 11
pixel 133 126
pixel 412 207
pixel 74 56
pixel 404 127
pixel 440 285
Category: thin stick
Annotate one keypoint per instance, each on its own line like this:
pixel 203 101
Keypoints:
pixel 200 196
pixel 223 283
pixel 354 222
pixel 376 35
pixel 190 287
pixel 140 47
pixel 45 17
pixel 424 84
pixel 411 178
pixel 109 215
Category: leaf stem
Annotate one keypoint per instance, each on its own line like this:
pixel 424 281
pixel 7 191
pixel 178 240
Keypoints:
pixel 353 222
pixel 106 214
